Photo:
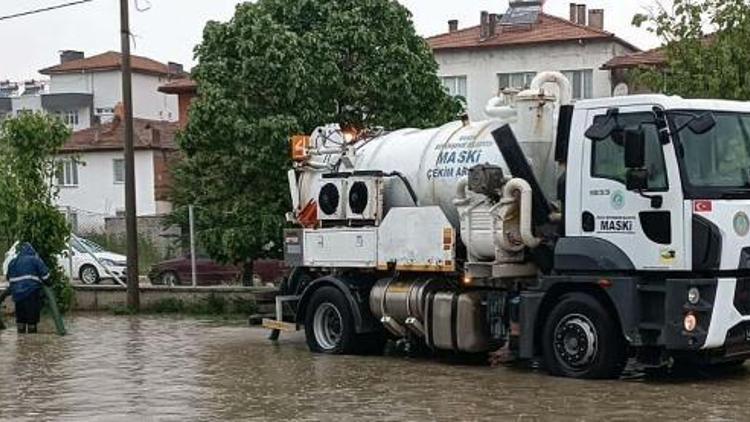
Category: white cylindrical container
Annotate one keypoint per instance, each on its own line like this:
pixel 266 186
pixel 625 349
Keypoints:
pixel 435 160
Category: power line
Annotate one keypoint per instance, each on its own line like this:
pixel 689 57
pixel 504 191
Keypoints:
pixel 45 9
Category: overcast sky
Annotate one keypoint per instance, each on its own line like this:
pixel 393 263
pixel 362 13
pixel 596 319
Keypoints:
pixel 169 30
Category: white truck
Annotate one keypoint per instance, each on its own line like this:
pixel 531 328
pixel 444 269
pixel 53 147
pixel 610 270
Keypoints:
pixel 580 235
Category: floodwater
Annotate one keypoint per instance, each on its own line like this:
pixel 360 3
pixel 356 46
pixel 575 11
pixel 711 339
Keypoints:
pixel 133 369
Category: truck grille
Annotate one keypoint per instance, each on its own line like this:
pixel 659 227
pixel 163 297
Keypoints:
pixel 742 296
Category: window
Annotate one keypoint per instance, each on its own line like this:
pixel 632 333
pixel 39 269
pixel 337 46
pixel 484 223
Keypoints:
pixel 24 112
pixel 70 117
pixel 67 173
pixel 118 168
pixel 519 81
pixel 105 111
pixel 719 160
pixel 608 155
pixel 582 83
pixel 455 86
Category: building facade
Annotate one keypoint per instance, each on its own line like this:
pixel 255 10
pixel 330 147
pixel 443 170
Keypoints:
pixel 504 53
pixel 91 172
pixel 84 91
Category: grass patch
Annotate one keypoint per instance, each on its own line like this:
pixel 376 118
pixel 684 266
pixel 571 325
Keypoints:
pixel 212 305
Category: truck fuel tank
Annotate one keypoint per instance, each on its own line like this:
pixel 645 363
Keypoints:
pixel 457 321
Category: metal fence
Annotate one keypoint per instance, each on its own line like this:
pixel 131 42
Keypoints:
pixel 170 256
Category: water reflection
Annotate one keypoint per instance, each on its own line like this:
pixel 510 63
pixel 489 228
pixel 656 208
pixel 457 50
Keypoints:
pixel 116 368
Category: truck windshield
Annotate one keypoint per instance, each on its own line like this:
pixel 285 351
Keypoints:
pixel 715 164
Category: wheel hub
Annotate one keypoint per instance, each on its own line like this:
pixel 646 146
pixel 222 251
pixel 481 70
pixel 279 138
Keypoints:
pixel 328 326
pixel 576 341
pixel 89 275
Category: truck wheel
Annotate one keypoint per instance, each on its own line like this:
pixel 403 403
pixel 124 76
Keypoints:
pixel 329 325
pixel 582 340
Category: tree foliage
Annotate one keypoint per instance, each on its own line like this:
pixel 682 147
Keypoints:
pixel 281 67
pixel 28 145
pixel 707 45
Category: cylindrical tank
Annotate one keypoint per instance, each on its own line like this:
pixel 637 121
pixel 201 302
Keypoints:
pixel 435 160
pixel 400 299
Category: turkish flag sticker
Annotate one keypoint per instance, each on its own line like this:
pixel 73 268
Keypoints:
pixel 703 206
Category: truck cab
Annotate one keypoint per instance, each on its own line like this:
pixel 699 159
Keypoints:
pixel 662 193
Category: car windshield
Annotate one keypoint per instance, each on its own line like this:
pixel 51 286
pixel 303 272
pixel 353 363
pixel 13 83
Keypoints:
pixel 80 244
pixel 717 161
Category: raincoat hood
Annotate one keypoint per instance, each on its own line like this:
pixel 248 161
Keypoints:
pixel 27 250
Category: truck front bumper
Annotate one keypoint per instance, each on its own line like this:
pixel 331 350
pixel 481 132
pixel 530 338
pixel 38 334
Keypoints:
pixel 723 318
pixel 730 320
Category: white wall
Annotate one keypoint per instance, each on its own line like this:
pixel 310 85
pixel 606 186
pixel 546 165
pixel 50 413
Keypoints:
pixel 148 102
pixel 481 66
pixel 26 102
pixel 97 195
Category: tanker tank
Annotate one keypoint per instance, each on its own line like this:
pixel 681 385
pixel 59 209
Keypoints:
pixel 435 160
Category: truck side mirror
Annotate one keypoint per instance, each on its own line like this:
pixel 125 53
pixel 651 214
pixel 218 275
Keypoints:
pixel 635 148
pixel 636 180
pixel 702 124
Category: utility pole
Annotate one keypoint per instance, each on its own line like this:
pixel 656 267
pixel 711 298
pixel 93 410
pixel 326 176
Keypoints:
pixel 191 219
pixel 131 223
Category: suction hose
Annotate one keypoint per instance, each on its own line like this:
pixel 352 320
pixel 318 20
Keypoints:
pixel 4 295
pixel 56 316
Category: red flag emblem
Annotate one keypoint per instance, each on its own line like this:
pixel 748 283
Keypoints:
pixel 703 206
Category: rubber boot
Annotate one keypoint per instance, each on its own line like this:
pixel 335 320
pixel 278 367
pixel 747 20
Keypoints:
pixel 31 329
pixel 21 328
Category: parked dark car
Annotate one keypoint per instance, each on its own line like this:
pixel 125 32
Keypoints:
pixel 177 272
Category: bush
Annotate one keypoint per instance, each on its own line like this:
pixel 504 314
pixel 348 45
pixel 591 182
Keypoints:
pixel 213 305
pixel 28 148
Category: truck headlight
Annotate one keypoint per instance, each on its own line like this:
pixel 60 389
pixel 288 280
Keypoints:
pixel 694 296
pixel 690 323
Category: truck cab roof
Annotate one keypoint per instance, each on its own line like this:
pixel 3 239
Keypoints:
pixel 666 102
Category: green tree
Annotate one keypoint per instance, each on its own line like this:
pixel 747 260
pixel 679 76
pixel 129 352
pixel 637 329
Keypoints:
pixel 707 45
pixel 281 67
pixel 28 145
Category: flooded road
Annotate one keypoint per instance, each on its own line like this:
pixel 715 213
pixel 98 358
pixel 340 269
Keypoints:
pixel 120 368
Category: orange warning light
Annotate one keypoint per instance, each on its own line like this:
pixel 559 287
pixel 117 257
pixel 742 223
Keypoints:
pixel 299 145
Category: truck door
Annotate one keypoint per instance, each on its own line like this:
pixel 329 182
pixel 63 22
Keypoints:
pixel 649 233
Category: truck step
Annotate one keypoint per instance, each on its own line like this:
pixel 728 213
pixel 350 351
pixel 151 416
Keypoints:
pixel 287 327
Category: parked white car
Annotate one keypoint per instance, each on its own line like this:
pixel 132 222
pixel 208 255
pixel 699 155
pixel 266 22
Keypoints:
pixel 90 263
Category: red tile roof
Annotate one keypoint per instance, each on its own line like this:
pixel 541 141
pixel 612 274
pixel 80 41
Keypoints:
pixel 110 60
pixel 655 57
pixel 548 29
pixel 149 135
pixel 180 86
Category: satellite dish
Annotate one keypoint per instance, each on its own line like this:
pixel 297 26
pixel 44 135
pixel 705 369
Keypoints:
pixel 621 90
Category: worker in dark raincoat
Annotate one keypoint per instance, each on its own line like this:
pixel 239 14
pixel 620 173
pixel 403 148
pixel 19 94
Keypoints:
pixel 26 273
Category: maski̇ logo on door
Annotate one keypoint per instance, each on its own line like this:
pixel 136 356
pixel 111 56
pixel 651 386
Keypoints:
pixel 617 199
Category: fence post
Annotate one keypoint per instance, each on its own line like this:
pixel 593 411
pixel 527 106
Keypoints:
pixel 191 218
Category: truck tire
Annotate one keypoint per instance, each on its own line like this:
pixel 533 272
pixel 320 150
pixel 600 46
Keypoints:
pixel 329 324
pixel 581 339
